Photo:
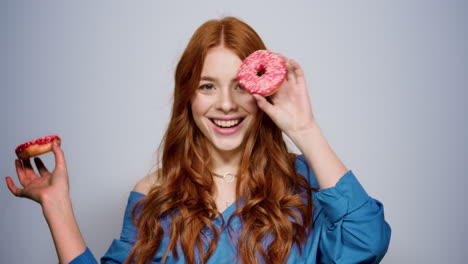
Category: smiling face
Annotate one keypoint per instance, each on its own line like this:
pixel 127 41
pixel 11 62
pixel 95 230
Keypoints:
pixel 223 111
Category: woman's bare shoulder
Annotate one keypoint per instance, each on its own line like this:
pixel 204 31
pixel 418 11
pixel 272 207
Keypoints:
pixel 148 182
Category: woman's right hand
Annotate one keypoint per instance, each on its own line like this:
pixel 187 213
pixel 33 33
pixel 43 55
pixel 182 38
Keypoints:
pixel 51 190
pixel 45 187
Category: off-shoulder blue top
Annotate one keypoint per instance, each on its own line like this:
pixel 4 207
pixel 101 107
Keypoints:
pixel 348 227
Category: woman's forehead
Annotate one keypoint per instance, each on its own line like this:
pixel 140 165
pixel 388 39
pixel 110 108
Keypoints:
pixel 221 64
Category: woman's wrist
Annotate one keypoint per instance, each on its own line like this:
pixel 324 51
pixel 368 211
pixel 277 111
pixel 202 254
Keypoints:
pixel 53 206
pixel 304 132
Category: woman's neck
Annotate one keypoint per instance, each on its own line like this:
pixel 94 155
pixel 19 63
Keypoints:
pixel 226 161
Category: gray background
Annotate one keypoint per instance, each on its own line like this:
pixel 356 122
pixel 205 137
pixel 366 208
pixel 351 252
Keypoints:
pixel 387 81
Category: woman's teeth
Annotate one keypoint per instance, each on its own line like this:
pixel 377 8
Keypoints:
pixel 226 124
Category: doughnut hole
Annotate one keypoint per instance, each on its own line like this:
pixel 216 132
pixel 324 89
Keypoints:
pixel 261 71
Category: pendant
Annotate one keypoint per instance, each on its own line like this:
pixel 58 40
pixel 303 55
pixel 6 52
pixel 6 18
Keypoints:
pixel 229 177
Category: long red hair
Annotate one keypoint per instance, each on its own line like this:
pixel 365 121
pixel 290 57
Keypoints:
pixel 277 203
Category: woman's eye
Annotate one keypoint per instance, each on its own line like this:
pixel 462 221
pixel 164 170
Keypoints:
pixel 239 87
pixel 206 87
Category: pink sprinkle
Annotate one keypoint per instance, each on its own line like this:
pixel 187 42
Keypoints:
pixel 262 72
pixel 39 141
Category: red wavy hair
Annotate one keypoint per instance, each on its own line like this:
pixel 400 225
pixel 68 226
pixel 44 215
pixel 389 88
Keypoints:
pixel 185 193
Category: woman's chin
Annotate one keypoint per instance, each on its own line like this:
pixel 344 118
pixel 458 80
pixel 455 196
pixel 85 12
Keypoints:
pixel 227 146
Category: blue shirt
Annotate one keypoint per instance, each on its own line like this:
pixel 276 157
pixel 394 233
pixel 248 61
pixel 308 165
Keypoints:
pixel 348 227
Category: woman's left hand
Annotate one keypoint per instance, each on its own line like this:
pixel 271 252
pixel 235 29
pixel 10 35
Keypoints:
pixel 290 106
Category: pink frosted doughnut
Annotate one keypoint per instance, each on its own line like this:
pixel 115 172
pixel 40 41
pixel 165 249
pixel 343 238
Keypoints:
pixel 36 147
pixel 262 72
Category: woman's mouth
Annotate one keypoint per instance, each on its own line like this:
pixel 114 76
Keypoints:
pixel 226 127
pixel 226 123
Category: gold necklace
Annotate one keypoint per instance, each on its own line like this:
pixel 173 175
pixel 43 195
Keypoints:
pixel 227 177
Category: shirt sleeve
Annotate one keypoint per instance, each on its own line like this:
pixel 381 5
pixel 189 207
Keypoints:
pixel 120 248
pixel 350 224
pixel 85 258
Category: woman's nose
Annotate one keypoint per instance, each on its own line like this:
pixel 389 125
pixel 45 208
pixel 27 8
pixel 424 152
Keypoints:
pixel 226 102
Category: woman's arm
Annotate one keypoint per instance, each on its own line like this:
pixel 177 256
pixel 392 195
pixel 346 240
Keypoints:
pixel 291 110
pixel 324 162
pixel 65 232
pixel 349 225
pixel 352 227
pixel 51 191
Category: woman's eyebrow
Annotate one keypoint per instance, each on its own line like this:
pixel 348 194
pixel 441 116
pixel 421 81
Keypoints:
pixel 212 79
pixel 208 78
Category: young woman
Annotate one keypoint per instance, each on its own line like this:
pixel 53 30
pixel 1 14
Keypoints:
pixel 227 189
